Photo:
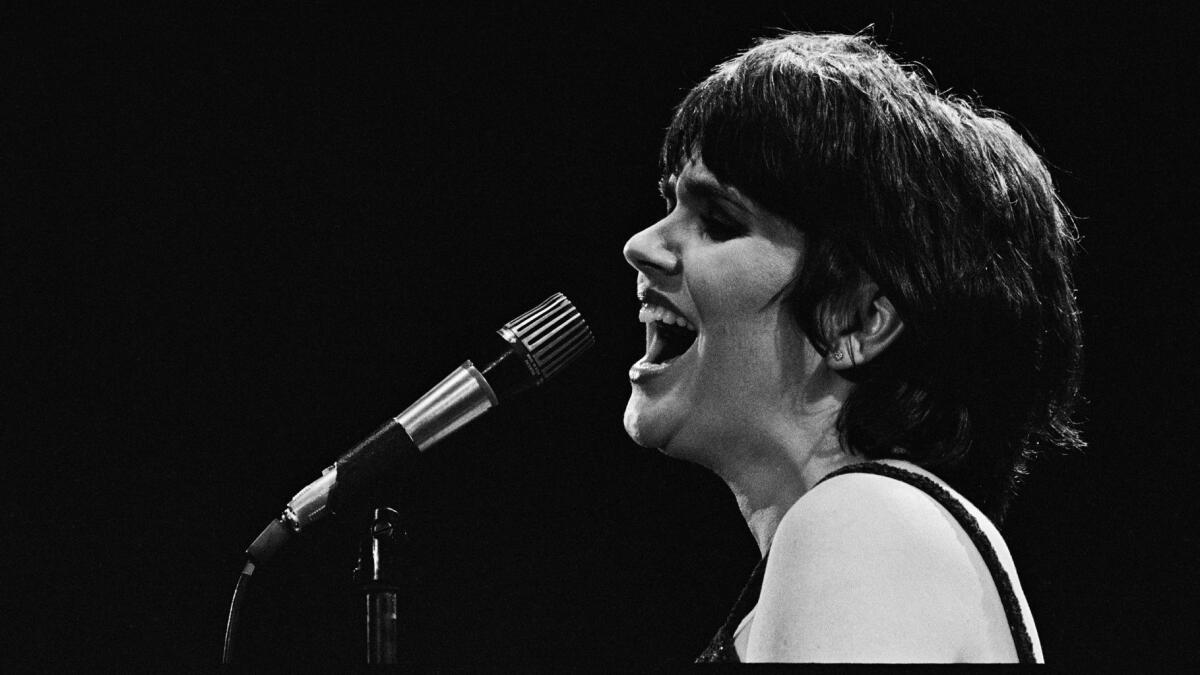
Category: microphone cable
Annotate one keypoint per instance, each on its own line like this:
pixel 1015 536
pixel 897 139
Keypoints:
pixel 539 343
pixel 235 611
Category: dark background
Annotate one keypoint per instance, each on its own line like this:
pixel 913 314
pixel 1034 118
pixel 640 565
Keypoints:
pixel 242 239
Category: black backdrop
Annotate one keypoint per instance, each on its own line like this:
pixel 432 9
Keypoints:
pixel 244 238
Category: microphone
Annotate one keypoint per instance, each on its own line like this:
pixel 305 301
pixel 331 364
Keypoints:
pixel 535 346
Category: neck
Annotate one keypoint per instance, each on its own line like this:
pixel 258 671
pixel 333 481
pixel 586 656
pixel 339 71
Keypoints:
pixel 786 450
pixel 768 485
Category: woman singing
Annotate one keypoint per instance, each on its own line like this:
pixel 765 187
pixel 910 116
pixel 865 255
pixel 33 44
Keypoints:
pixel 859 314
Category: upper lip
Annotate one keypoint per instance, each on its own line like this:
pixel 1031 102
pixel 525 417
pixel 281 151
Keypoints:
pixel 649 296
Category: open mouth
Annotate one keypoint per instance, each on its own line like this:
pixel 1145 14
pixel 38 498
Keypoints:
pixel 666 341
pixel 668 333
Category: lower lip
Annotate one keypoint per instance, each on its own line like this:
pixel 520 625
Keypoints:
pixel 644 371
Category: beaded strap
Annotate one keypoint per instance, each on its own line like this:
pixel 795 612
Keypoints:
pixel 721 648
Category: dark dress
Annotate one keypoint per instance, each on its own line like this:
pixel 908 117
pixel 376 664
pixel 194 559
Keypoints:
pixel 721 649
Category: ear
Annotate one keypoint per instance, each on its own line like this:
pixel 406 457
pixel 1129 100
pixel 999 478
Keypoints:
pixel 877 325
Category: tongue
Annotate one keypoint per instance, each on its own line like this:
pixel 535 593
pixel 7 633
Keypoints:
pixel 655 346
pixel 670 342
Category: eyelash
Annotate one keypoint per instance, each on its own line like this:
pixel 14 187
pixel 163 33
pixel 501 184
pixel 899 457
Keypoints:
pixel 711 227
pixel 719 230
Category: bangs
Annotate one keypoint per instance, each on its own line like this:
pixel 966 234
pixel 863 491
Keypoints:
pixel 938 202
pixel 766 123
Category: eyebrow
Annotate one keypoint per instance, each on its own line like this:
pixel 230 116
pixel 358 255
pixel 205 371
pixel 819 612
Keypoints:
pixel 702 188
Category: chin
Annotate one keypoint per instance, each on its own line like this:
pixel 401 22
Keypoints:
pixel 636 426
pixel 646 428
pixel 657 428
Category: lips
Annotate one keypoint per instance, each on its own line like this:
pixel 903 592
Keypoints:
pixel 669 335
pixel 652 298
pixel 665 341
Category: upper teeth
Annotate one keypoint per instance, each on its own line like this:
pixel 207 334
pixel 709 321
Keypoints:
pixel 650 313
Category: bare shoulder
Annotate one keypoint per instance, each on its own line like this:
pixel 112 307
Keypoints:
pixel 874 525
pixel 867 568
pixel 868 503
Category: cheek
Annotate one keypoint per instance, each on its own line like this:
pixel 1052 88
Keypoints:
pixel 741 281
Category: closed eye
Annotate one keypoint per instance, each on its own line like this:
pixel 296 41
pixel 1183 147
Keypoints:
pixel 720 227
pixel 715 222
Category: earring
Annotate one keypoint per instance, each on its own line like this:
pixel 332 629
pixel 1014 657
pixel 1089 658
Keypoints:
pixel 837 356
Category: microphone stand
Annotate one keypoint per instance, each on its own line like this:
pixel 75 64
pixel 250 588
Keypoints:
pixel 382 553
pixel 537 344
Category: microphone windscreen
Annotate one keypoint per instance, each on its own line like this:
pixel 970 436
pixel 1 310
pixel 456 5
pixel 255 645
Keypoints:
pixel 553 334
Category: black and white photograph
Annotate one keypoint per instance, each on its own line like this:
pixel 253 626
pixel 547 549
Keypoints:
pixel 573 336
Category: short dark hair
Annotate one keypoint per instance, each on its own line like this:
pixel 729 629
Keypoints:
pixel 941 204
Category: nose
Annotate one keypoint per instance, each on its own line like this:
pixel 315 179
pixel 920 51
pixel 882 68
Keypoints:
pixel 649 252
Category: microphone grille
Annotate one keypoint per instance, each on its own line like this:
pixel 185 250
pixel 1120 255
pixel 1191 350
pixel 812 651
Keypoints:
pixel 553 334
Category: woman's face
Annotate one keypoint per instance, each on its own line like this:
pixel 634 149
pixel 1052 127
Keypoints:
pixel 721 266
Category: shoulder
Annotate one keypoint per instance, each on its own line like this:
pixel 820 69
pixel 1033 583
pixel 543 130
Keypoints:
pixel 873 522
pixel 848 499
pixel 865 567
pixel 867 515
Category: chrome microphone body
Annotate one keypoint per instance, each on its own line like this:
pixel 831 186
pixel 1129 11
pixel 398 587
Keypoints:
pixel 460 398
pixel 537 344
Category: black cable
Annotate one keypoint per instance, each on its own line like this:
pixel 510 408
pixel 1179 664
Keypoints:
pixel 235 608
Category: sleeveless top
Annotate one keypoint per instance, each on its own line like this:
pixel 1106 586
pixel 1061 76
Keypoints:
pixel 721 648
